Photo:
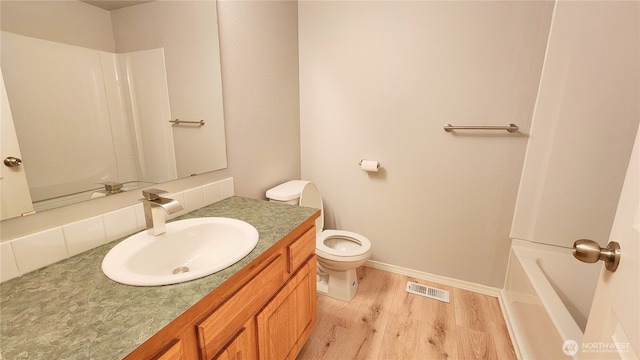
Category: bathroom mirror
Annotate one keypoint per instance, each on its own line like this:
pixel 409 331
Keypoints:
pixel 95 88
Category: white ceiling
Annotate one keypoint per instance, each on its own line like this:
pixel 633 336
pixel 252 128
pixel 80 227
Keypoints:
pixel 114 4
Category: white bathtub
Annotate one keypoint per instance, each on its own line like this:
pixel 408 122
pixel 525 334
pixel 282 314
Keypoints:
pixel 547 298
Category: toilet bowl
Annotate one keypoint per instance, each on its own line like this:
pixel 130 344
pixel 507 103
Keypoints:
pixel 339 252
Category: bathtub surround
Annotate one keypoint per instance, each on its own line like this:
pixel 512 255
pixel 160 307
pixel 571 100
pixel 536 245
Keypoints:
pixel 121 140
pixel 542 299
pixel 577 157
pixel 31 252
pixel 581 136
pixel 193 73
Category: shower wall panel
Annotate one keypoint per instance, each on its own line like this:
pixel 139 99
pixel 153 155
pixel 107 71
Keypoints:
pixel 59 127
pixel 584 124
pixel 84 116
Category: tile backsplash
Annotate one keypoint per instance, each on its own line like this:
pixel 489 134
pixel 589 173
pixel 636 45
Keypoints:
pixel 28 253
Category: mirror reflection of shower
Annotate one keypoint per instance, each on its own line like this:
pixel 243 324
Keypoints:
pixel 100 34
pixel 111 115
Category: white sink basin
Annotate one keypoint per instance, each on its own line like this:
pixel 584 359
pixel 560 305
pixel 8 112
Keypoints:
pixel 190 249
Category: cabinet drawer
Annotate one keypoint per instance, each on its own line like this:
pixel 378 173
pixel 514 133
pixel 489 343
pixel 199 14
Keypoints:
pixel 219 327
pixel 301 249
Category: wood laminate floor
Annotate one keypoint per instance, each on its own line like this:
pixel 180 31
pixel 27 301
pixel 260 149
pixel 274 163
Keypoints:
pixel 383 321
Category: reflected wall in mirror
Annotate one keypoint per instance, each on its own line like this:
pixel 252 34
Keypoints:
pixel 92 93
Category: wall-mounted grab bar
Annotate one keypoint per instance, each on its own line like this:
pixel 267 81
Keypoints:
pixel 178 122
pixel 510 128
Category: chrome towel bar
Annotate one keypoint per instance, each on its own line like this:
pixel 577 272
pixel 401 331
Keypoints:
pixel 178 122
pixel 510 128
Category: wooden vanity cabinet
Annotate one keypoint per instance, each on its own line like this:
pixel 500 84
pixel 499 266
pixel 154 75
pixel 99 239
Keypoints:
pixel 172 352
pixel 267 310
pixel 220 327
pixel 286 322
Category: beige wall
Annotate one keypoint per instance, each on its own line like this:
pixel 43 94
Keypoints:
pixel 378 80
pixel 259 47
pixel 59 21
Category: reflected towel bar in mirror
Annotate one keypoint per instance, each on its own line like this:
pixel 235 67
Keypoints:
pixel 179 122
pixel 510 128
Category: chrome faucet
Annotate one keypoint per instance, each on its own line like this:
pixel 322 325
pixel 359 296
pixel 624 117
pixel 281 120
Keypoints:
pixel 155 207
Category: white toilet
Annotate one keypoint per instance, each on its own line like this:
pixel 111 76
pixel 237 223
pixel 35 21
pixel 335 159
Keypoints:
pixel 339 252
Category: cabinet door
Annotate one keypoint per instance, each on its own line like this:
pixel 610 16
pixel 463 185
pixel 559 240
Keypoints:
pixel 286 322
pixel 172 352
pixel 216 330
pixel 242 346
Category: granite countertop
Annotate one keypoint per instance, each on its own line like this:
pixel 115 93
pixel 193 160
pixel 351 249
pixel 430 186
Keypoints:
pixel 71 310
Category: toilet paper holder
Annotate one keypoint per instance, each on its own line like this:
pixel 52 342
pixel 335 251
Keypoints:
pixel 369 165
pixel 360 163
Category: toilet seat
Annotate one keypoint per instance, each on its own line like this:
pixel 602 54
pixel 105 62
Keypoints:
pixel 339 253
pixel 360 248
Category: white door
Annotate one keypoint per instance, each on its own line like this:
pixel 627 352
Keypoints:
pixel 613 329
pixel 14 189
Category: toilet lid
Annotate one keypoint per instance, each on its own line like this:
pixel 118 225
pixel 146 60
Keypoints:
pixel 310 197
pixel 342 243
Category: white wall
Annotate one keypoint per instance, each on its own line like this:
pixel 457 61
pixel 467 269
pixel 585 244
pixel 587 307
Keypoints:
pixel 378 80
pixel 585 121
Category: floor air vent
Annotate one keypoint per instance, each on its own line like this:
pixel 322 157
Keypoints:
pixel 428 291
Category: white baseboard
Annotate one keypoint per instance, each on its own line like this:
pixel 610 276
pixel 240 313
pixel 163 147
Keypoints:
pixel 461 284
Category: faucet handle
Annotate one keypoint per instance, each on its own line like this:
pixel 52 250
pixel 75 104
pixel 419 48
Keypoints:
pixel 153 194
pixel 112 187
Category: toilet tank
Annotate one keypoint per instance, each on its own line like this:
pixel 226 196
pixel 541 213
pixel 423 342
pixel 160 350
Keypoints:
pixel 288 192
pixel 299 192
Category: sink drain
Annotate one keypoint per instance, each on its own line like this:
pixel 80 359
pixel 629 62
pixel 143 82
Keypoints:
pixel 182 269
